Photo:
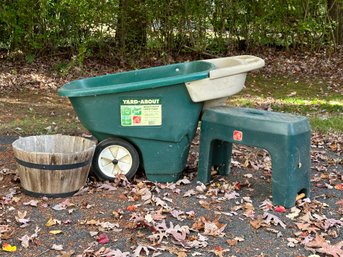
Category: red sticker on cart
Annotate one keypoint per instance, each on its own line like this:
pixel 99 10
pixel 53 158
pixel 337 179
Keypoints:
pixel 237 135
pixel 137 119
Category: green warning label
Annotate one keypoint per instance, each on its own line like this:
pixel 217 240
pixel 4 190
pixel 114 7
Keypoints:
pixel 141 112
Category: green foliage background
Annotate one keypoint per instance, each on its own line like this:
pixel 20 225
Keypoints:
pixel 88 27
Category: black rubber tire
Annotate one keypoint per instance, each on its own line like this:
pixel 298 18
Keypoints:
pixel 115 141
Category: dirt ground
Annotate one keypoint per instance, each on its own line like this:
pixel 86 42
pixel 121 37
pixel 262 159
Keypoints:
pixel 229 217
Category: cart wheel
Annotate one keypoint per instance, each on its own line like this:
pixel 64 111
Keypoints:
pixel 115 156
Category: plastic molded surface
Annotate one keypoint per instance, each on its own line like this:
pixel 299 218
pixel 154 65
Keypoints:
pixel 150 108
pixel 138 79
pixel 285 136
pixel 227 79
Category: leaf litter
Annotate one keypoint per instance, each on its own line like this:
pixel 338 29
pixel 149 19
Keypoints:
pixel 190 216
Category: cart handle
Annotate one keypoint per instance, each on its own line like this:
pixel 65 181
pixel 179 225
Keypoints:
pixel 228 66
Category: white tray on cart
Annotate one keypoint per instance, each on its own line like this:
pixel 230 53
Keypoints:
pixel 227 79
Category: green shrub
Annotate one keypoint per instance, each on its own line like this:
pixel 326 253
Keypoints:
pixel 88 27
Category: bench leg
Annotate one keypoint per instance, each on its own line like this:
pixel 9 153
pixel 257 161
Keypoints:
pixel 221 156
pixel 213 153
pixel 290 175
pixel 205 159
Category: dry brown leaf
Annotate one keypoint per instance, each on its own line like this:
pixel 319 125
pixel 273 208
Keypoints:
pixel 199 224
pixel 307 227
pixel 219 251
pixel 67 254
pixel 206 205
pixel 214 228
pixel 319 244
pixel 178 252
pixel 257 223
pixel 232 242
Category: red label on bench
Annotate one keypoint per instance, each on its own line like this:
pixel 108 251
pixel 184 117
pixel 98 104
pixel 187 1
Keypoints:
pixel 237 135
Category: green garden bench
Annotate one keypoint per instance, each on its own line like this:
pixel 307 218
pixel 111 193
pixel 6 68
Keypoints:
pixel 286 137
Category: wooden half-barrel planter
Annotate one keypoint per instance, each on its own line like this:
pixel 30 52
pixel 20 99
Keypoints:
pixel 53 165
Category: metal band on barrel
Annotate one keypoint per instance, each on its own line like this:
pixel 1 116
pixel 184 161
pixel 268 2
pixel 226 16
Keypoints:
pixel 52 166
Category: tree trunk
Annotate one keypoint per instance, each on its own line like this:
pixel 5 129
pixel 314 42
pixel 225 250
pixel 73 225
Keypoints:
pixel 335 8
pixel 132 25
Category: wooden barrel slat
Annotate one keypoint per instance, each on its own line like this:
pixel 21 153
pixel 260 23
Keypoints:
pixel 70 157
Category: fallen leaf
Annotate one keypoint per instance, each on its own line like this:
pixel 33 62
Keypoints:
pixel 4 229
pixel 294 213
pixel 237 186
pixel 278 233
pixel 141 248
pixel 199 224
pixel 114 253
pixel 131 208
pixel 176 214
pixel 8 248
pixel 52 222
pixel 93 233
pixel 66 254
pixel 55 232
pixel 307 217
pixel 331 223
pixel 294 93
pixel 91 222
pixel 190 193
pixel 200 242
pixel 158 216
pixel 160 202
pixel 103 239
pixel 280 209
pixel 107 186
pixel 319 244
pixel 206 205
pixel 178 252
pixel 68 221
pixel 234 241
pixel 219 251
pixel 339 187
pixel 247 199
pixel 239 239
pixel 270 218
pixel 214 228
pixel 21 218
pixel 57 247
pixel 184 181
pixel 257 223
pixel 35 235
pixel 25 241
pixel 266 205
pixel 108 226
pixel 231 195
pixel 16 199
pixel 63 205
pixel 300 196
pixel 307 227
pixel 292 242
pixel 201 187
pixel 33 203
